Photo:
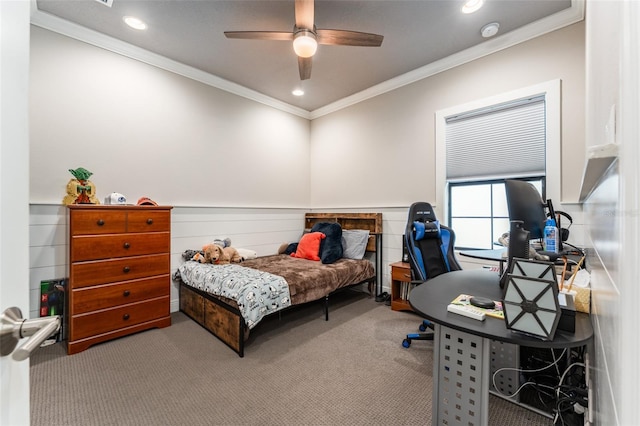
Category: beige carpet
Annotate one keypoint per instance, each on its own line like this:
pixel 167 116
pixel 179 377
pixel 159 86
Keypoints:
pixel 297 370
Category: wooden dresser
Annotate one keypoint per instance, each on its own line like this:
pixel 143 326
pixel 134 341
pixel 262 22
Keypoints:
pixel 119 272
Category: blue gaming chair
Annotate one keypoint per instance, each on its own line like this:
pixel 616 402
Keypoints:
pixel 430 251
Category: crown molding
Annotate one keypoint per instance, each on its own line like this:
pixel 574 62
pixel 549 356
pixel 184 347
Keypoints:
pixel 78 32
pixel 554 22
pixel 543 26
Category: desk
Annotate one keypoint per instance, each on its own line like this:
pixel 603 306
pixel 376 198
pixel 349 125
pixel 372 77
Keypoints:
pixel 461 374
pixel 500 255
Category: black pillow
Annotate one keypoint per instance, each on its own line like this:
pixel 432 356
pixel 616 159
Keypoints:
pixel 330 247
pixel 291 248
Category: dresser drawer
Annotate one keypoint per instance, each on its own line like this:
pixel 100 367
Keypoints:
pixel 95 272
pixel 91 324
pixel 97 221
pixel 90 247
pixel 401 274
pixel 89 299
pixel 143 220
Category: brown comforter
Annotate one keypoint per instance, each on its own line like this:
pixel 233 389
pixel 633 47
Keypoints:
pixel 311 280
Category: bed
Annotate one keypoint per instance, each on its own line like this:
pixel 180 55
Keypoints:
pixel 208 293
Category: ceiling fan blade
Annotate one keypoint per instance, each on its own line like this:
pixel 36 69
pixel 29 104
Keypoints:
pixel 304 65
pixel 348 38
pixel 259 35
pixel 304 14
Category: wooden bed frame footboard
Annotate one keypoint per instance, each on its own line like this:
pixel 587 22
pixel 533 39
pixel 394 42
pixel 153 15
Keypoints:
pixel 225 321
pixel 220 318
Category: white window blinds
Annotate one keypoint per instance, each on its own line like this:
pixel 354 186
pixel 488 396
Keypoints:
pixel 506 140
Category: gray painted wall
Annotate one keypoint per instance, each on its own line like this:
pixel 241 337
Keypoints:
pixel 383 149
pixel 144 131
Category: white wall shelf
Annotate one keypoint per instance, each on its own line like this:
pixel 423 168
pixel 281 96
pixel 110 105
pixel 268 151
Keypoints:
pixel 599 159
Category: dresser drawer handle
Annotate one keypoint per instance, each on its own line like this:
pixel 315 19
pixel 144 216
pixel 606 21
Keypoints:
pixel 149 221
pixel 125 317
pixel 126 293
pixel 126 245
pixel 126 269
pixel 100 222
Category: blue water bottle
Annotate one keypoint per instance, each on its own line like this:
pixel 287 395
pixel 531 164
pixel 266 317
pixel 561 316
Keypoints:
pixel 551 236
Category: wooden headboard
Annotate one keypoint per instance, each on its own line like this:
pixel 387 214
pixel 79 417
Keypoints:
pixel 369 221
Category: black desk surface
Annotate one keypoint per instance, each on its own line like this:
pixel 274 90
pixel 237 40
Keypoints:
pixel 431 298
pixel 495 254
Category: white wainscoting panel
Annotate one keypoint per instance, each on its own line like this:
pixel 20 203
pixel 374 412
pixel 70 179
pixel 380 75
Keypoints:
pixel 260 229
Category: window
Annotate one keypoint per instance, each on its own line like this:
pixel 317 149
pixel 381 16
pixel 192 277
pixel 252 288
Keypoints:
pixel 481 144
pixel 478 212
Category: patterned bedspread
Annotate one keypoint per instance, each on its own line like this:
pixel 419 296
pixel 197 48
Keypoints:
pixel 257 293
pixel 311 280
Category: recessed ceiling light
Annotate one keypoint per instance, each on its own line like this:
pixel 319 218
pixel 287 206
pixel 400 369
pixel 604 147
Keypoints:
pixel 471 6
pixel 297 92
pixel 490 30
pixel 134 23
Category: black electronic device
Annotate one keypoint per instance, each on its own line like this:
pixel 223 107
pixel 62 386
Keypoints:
pixel 482 302
pixel 564 232
pixel 525 204
pixel 519 238
pixel 518 247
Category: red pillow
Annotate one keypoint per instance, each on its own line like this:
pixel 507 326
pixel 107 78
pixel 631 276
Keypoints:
pixel 309 246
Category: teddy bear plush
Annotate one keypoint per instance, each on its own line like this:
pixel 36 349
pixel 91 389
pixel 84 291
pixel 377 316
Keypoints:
pixel 232 254
pixel 217 255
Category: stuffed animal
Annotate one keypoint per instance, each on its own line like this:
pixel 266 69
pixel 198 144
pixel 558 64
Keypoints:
pixel 223 242
pixel 217 255
pixel 232 254
pixel 196 255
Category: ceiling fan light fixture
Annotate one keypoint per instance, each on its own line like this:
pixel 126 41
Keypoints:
pixel 305 44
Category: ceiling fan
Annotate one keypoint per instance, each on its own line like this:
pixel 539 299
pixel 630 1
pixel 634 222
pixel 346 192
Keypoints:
pixel 306 36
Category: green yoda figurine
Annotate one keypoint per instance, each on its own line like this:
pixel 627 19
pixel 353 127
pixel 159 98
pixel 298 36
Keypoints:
pixel 80 190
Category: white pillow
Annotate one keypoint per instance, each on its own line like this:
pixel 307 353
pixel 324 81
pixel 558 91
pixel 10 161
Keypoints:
pixel 354 243
pixel 247 254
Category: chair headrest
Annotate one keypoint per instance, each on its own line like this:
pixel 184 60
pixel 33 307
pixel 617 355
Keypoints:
pixel 426 230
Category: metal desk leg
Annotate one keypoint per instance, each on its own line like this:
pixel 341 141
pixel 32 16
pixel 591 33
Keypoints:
pixel 460 378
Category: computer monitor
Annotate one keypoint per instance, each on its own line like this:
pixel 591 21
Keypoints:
pixel 525 204
pixel 527 216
